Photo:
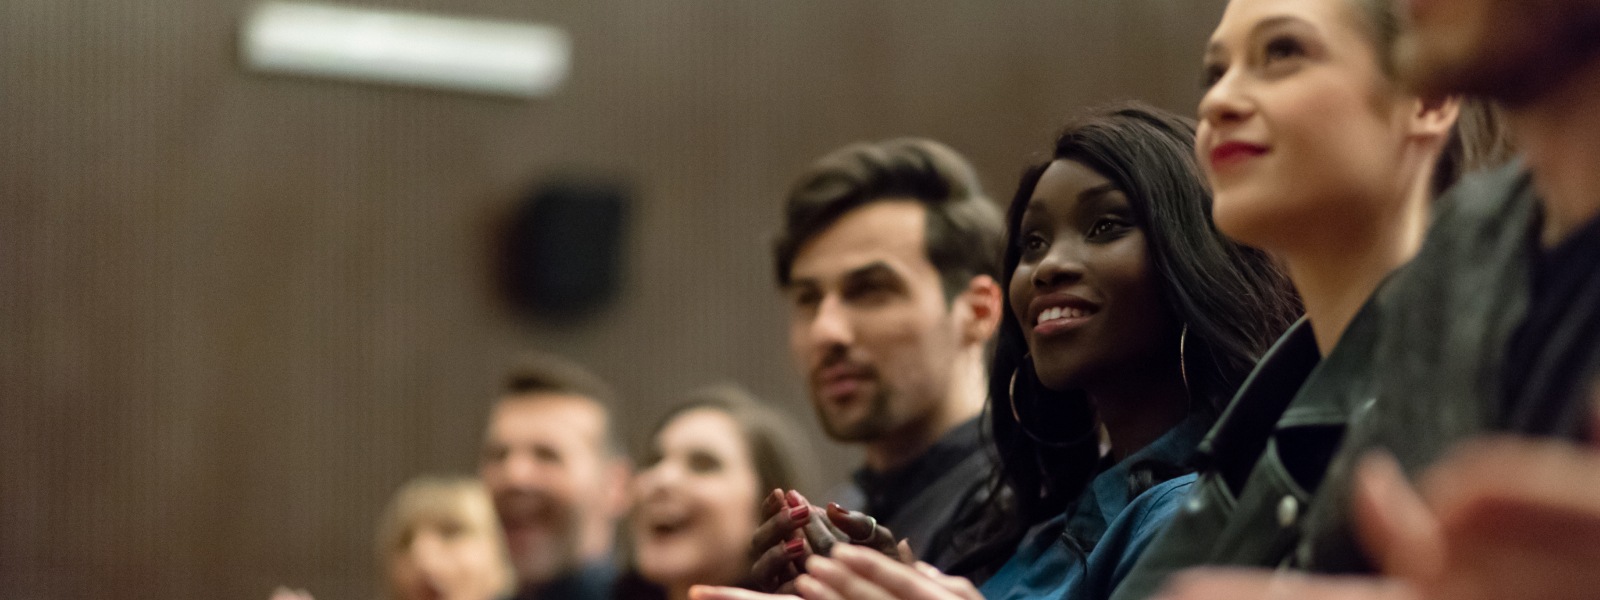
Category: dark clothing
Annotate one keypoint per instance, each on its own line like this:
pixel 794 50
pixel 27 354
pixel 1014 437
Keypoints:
pixel 1561 315
pixel 1231 516
pixel 924 500
pixel 593 581
pixel 1087 550
pixel 1506 356
pixel 1424 365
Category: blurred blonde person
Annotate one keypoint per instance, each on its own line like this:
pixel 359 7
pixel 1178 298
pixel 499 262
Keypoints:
pixel 439 540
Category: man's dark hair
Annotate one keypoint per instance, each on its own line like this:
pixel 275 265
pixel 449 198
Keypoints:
pixel 533 374
pixel 964 228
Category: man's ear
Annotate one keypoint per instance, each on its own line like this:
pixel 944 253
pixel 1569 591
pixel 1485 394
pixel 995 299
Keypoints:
pixel 983 305
pixel 1433 117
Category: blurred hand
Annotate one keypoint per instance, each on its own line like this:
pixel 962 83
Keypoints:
pixel 707 592
pixel 860 574
pixel 284 593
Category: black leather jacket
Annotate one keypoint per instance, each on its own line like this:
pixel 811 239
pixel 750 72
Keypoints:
pixel 1418 369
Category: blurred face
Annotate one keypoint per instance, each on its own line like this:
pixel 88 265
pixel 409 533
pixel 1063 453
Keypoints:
pixel 450 557
pixel 1508 50
pixel 544 463
pixel 1301 135
pixel 695 506
pixel 869 324
pixel 1083 290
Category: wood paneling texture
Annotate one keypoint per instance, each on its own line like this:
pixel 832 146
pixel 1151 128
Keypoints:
pixel 236 311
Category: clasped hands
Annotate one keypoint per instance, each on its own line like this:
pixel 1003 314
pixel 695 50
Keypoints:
pixel 834 554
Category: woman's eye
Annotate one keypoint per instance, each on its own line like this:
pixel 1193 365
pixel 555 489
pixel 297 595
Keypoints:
pixel 704 463
pixel 1106 226
pixel 1281 48
pixel 1210 75
pixel 1034 243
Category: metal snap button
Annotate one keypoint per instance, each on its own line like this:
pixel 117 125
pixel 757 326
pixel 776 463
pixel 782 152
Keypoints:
pixel 1288 511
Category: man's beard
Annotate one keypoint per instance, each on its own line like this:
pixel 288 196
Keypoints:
pixel 542 546
pixel 872 425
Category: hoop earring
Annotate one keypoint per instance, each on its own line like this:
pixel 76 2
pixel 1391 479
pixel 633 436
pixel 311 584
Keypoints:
pixel 1029 380
pixel 1183 361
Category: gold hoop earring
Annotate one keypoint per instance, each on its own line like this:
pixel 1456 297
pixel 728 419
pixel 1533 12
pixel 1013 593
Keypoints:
pixel 1183 361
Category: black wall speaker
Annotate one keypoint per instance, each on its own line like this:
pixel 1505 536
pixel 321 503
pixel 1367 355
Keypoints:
pixel 565 247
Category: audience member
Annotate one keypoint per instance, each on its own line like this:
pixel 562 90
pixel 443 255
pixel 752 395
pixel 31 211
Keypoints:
pixel 697 495
pixel 439 539
pixel 888 257
pixel 1131 319
pixel 1319 156
pixel 1496 320
pixel 558 477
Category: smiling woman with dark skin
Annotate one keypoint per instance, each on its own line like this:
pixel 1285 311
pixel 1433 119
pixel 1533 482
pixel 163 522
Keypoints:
pixel 1130 321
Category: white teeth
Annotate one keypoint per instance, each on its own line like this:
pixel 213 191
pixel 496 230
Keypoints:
pixel 1051 314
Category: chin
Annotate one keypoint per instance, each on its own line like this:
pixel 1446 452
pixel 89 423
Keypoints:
pixel 669 571
pixel 1253 215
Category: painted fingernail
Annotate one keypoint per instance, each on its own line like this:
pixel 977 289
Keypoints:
pixel 800 513
pixel 794 547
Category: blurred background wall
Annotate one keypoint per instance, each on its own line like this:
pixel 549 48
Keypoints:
pixel 237 311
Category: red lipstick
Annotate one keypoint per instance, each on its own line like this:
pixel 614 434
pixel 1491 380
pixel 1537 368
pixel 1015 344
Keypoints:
pixel 1231 153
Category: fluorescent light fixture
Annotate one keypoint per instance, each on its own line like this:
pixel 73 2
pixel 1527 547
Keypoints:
pixel 405 48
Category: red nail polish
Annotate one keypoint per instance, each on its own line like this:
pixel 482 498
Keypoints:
pixel 795 499
pixel 800 513
pixel 794 547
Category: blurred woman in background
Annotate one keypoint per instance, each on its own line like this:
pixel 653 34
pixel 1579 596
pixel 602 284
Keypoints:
pixel 710 463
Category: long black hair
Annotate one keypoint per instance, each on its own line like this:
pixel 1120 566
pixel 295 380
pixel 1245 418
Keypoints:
pixel 1233 299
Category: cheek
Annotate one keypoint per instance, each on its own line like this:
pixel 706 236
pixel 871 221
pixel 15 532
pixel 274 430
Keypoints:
pixel 1127 276
pixel 729 498
pixel 1331 147
pixel 799 341
pixel 1021 293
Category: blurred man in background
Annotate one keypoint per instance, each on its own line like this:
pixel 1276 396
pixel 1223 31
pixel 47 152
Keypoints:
pixel 558 477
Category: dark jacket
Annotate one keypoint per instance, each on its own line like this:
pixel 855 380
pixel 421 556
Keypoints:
pixel 927 500
pixel 1417 370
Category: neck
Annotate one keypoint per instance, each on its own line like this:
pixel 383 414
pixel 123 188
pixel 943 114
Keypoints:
pixel 1335 279
pixel 1559 134
pixel 962 402
pixel 595 546
pixel 1140 410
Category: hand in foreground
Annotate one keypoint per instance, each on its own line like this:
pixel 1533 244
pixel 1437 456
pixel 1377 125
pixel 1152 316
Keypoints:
pixel 793 529
pixel 284 593
pixel 1496 518
pixel 860 574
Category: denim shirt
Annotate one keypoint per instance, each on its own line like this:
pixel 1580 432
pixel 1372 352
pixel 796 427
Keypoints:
pixel 1086 551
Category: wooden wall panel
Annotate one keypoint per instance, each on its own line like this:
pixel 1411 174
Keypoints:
pixel 236 311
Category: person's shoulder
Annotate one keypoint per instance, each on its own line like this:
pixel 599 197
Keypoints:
pixel 1483 196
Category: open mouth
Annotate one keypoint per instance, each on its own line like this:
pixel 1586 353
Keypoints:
pixel 1062 314
pixel 667 524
